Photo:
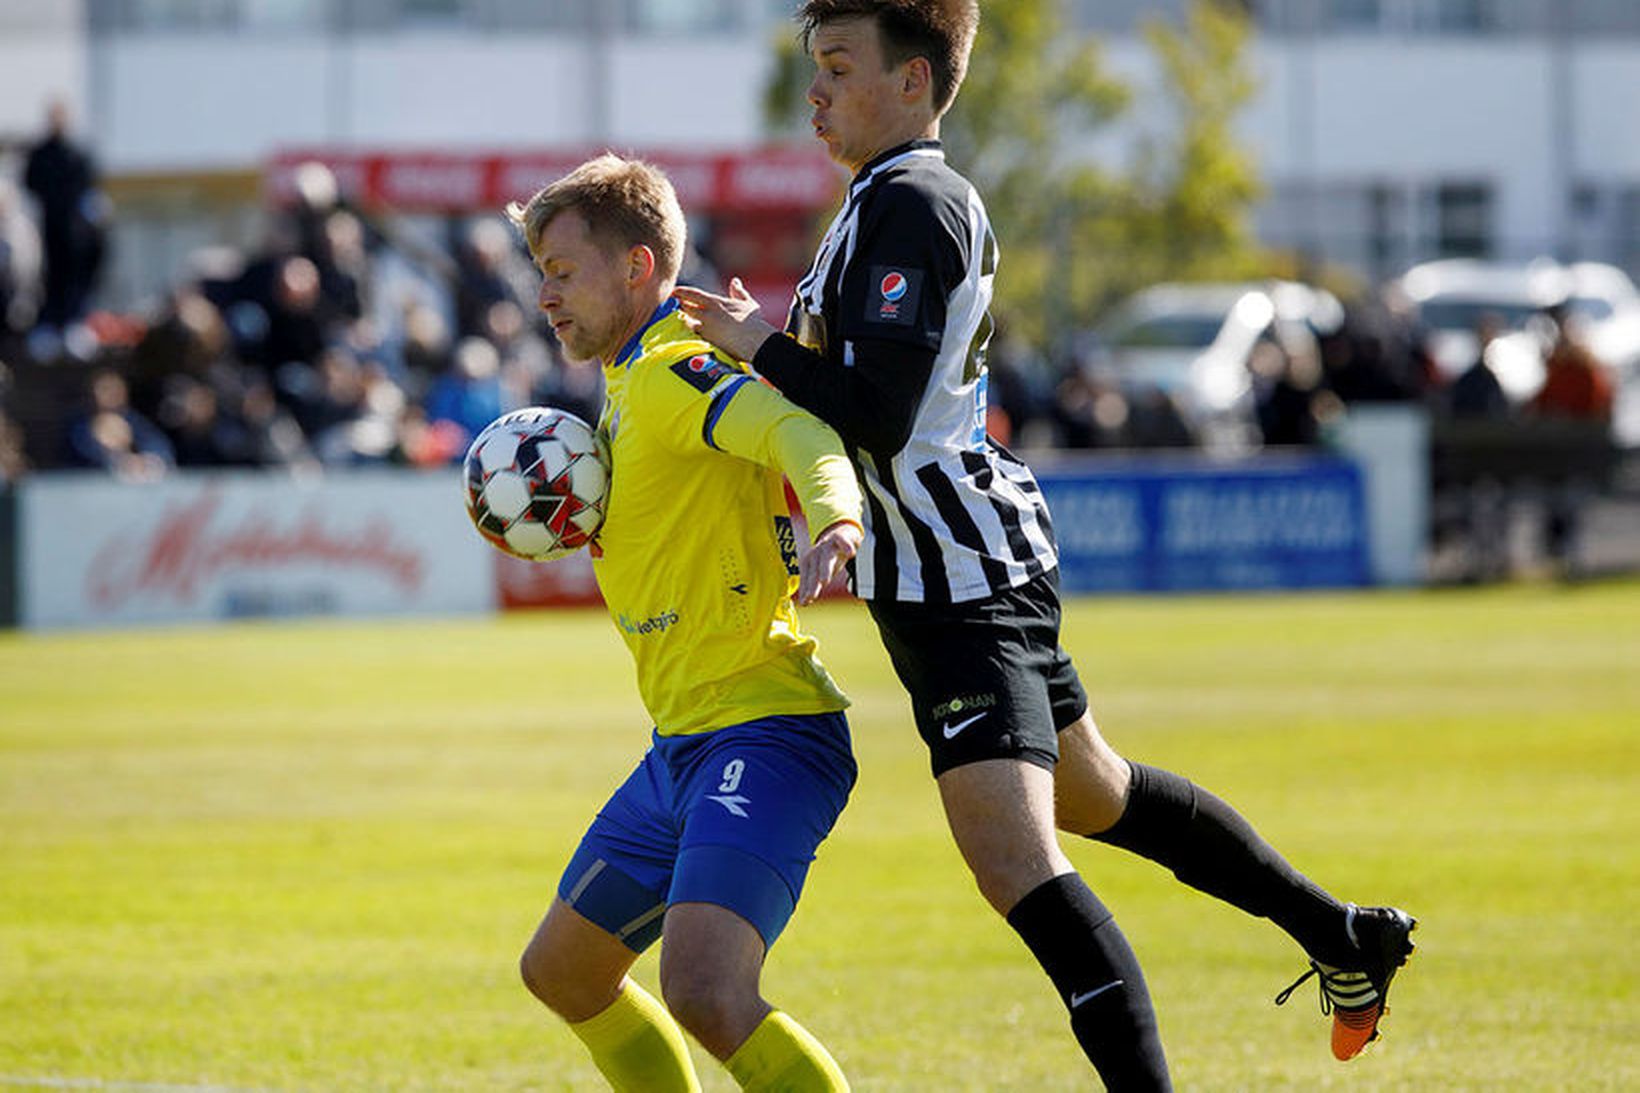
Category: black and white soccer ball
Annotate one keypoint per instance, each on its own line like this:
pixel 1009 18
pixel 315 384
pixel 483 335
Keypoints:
pixel 537 483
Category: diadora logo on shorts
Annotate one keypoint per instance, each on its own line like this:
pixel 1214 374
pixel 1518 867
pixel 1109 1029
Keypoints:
pixel 732 802
pixel 654 624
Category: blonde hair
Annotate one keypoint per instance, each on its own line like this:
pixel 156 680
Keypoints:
pixel 625 203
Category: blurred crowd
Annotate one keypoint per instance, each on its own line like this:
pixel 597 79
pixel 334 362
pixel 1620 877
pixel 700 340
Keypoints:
pixel 315 349
pixel 309 351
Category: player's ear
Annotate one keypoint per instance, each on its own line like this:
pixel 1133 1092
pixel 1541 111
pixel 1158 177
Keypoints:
pixel 916 77
pixel 640 264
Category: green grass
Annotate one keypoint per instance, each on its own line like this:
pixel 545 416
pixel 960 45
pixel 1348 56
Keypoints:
pixel 304 857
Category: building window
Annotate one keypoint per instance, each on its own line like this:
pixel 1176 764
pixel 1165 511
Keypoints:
pixel 1463 220
pixel 1628 230
pixel 1354 15
pixel 682 16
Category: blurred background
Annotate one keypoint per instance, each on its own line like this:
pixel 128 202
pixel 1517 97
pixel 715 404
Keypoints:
pixel 1293 293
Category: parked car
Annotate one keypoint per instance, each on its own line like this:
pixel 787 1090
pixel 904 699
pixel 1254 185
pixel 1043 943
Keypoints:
pixel 1450 297
pixel 1192 343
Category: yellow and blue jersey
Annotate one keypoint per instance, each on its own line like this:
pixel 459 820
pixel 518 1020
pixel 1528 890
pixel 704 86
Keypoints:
pixel 698 559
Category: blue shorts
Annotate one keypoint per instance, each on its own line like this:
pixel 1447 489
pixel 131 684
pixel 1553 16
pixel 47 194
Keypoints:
pixel 730 817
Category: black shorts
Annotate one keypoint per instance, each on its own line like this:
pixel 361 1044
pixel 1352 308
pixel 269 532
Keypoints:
pixel 987 679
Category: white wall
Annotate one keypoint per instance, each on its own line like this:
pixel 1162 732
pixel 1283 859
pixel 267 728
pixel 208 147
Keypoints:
pixel 188 102
pixel 42 57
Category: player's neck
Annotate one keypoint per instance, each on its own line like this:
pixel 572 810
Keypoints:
pixel 644 308
pixel 912 129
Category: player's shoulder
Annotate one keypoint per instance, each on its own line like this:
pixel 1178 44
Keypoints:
pixel 922 180
pixel 676 362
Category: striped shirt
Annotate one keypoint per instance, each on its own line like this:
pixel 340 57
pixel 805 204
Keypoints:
pixel 888 332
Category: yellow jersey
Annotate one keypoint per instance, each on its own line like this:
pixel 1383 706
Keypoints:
pixel 697 559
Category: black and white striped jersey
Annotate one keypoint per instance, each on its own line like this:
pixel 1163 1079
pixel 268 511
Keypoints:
pixel 888 337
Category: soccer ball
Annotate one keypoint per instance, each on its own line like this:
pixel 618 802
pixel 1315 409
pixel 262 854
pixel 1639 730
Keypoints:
pixel 537 483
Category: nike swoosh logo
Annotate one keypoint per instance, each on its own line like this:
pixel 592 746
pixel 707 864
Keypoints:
pixel 1078 999
pixel 953 730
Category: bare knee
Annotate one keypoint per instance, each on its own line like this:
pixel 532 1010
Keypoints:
pixel 714 1008
pixel 572 988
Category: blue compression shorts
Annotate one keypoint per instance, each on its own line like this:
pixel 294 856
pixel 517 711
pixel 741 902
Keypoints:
pixel 730 817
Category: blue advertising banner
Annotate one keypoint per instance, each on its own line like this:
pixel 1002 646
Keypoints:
pixel 1165 524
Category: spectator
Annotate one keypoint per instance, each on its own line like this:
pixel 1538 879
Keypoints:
pixel 272 436
pixel 1293 403
pixel 112 436
pixel 73 219
pixel 189 338
pixel 1476 395
pixel 19 264
pixel 1575 386
pixel 296 330
pixel 482 278
pixel 1473 508
pixel 470 394
pixel 1576 391
pixel 199 434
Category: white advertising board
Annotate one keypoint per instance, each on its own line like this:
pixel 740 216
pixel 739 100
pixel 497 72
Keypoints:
pixel 196 547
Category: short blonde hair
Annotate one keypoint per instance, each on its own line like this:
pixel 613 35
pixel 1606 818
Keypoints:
pixel 625 203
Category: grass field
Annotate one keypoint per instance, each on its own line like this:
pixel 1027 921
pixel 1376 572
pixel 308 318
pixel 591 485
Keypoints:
pixel 304 857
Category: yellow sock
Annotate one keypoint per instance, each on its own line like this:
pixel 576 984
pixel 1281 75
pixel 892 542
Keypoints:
pixel 781 1056
pixel 638 1046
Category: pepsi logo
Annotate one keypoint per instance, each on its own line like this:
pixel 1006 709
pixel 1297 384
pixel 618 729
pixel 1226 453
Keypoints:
pixel 893 285
pixel 700 364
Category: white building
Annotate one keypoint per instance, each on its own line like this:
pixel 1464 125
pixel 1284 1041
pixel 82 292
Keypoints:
pixel 1387 131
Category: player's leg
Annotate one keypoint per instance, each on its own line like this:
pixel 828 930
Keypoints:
pixel 977 675
pixel 610 903
pixel 1211 847
pixel 578 970
pixel 1206 843
pixel 1001 816
pixel 756 802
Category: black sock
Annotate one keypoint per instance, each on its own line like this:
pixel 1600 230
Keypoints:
pixel 1209 846
pixel 1079 945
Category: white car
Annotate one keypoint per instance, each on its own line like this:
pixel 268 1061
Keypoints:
pixel 1192 342
pixel 1450 297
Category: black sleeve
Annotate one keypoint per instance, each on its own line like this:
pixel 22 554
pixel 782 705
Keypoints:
pixel 871 405
pixel 908 258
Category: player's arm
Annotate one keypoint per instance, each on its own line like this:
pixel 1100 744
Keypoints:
pixel 871 398
pixel 871 404
pixel 750 420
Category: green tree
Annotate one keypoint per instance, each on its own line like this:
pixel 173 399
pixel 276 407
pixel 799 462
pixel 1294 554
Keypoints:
pixel 1199 187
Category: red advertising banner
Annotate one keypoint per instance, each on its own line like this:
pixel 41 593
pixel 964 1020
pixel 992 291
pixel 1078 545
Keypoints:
pixel 765 179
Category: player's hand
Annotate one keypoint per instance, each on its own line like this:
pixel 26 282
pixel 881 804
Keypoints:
pixel 732 322
pixel 831 551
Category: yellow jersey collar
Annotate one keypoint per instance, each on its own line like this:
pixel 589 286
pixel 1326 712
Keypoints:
pixel 634 345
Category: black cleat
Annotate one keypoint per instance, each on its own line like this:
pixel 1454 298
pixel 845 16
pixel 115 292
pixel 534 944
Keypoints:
pixel 1357 996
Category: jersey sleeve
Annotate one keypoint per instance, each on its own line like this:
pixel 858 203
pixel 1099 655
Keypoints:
pixel 707 403
pixel 908 258
pixel 756 423
pixel 678 399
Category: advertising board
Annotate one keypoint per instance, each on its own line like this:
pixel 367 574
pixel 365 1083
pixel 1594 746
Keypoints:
pixel 195 547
